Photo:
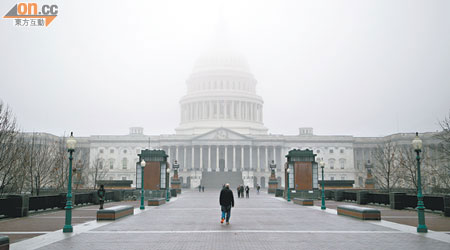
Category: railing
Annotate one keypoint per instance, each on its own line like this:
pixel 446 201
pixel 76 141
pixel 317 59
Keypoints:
pixel 10 205
pixel 46 202
pixel 85 198
pixel 349 196
pixel 434 202
pixel 378 198
pixel 410 201
pixel 3 206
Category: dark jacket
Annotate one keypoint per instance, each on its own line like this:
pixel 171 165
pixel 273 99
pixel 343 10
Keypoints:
pixel 226 197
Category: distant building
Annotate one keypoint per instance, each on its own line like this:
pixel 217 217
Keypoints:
pixel 222 130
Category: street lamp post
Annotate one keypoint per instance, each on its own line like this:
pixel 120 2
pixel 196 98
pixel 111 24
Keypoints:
pixel 71 143
pixel 421 228
pixel 142 207
pixel 323 207
pixel 167 184
pixel 288 191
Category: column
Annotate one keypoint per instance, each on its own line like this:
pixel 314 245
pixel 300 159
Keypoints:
pixel 168 153
pixel 232 110
pixel 184 160
pixel 210 115
pixel 251 160
pixel 176 154
pixel 282 161
pixel 218 112
pixel 234 158
pixel 201 158
pixel 205 115
pixel 193 157
pixel 225 109
pixel 209 158
pixel 226 158
pixel 239 111
pixel 274 155
pixel 259 159
pixel 267 160
pixel 242 158
pixel 217 159
pixel 245 111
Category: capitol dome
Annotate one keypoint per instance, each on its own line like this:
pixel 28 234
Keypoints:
pixel 224 59
pixel 221 92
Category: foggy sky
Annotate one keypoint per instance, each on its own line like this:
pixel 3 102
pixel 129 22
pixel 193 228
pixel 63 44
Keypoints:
pixel 363 68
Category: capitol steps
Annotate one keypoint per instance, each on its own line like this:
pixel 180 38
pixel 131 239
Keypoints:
pixel 217 179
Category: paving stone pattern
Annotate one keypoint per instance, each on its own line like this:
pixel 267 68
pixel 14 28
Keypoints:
pixel 260 222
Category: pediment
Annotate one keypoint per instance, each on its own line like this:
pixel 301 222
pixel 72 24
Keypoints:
pixel 221 134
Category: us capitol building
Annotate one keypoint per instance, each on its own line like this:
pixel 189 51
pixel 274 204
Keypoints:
pixel 222 132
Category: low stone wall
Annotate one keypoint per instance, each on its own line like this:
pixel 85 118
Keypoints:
pixel 20 205
pixel 396 200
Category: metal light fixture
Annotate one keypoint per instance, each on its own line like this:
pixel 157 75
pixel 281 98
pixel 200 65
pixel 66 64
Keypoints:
pixel 167 184
pixel 71 143
pixel 421 228
pixel 288 190
pixel 143 163
pixel 322 165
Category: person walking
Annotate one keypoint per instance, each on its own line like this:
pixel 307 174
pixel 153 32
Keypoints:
pixel 247 191
pixel 101 195
pixel 199 188
pixel 226 201
pixel 242 191
pixel 239 191
pixel 258 188
pixel 203 188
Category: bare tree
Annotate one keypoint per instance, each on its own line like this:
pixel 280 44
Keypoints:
pixel 61 161
pixel 81 168
pixel 10 153
pixel 386 166
pixel 43 158
pixel 442 168
pixel 408 163
pixel 98 170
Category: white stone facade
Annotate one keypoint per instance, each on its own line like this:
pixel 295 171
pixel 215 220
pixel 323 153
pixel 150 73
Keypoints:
pixel 221 129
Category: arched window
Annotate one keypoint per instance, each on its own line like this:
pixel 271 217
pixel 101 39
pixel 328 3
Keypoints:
pixel 342 163
pixel 331 163
pixel 124 163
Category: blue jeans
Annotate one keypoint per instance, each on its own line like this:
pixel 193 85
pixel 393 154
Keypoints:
pixel 226 212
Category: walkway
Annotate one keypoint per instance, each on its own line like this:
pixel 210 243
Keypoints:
pixel 191 221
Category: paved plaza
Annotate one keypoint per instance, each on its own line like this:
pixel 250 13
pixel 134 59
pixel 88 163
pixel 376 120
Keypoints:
pixel 191 221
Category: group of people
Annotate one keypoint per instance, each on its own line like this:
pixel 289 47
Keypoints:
pixel 240 191
pixel 201 188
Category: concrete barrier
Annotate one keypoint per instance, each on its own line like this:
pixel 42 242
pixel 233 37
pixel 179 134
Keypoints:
pixel 362 213
pixel 114 213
